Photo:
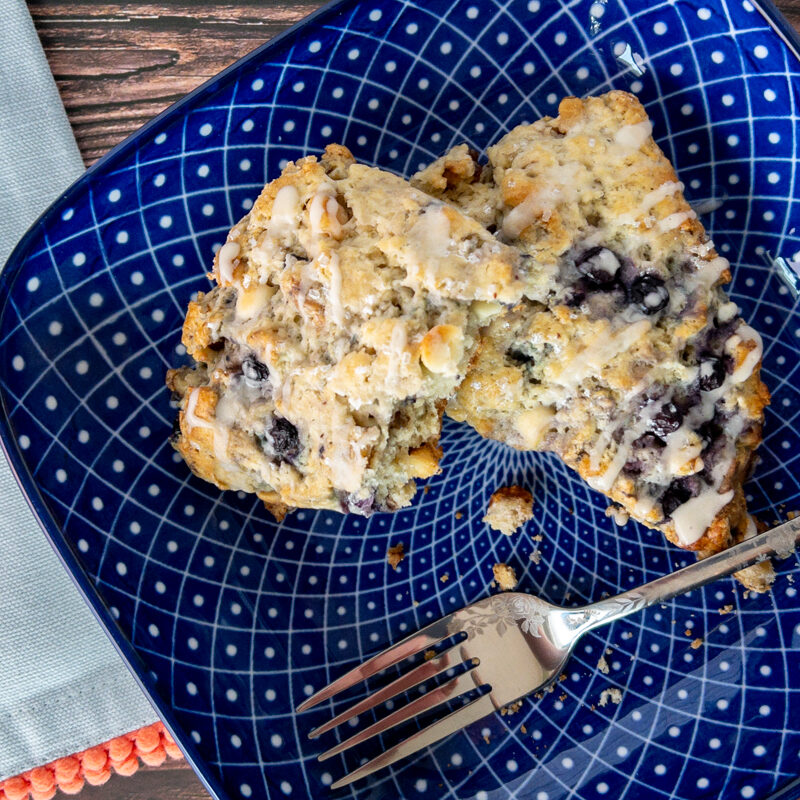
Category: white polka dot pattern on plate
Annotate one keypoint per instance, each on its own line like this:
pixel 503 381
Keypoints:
pixel 215 589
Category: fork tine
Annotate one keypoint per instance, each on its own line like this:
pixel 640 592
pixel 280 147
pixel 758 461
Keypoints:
pixel 447 691
pixel 420 674
pixel 415 643
pixel 458 719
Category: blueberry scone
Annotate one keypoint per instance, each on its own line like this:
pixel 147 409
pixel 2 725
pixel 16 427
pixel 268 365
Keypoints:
pixel 626 357
pixel 346 312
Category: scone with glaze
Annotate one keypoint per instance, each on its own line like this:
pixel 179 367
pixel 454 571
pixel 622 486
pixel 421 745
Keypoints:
pixel 626 357
pixel 346 312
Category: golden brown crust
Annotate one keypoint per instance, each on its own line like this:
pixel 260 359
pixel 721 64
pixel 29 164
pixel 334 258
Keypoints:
pixel 346 311
pixel 583 359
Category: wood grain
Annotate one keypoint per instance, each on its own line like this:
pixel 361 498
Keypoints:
pixel 119 64
pixel 174 780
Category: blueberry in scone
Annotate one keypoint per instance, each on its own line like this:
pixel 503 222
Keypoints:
pixel 346 312
pixel 626 357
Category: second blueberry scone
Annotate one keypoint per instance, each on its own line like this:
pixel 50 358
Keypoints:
pixel 626 358
pixel 346 312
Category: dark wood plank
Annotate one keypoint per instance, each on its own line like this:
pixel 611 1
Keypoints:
pixel 119 64
pixel 173 780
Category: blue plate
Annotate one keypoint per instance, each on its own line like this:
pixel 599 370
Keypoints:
pixel 228 619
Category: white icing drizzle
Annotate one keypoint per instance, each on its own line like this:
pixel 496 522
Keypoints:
pixel 709 271
pixel 225 261
pixel 692 519
pixel 600 352
pixel 632 137
pixel 284 211
pixel 680 448
pixel 397 353
pixel 322 203
pixel 644 505
pixel 727 311
pixel 650 199
pixel 674 220
pixel 556 184
pixel 192 421
pixel 521 216
pixel 332 207
pixel 606 479
pixel 316 208
pixel 744 333
pixel 335 289
pixel 430 234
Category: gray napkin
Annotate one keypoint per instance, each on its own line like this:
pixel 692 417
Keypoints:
pixel 63 687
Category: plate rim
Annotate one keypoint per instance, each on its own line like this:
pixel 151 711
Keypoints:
pixel 25 480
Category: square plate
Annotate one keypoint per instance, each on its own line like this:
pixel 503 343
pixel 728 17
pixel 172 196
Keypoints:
pixel 228 619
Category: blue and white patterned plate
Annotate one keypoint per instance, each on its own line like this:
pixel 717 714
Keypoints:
pixel 230 620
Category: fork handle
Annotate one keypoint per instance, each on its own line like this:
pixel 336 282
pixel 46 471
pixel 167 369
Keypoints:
pixel 779 542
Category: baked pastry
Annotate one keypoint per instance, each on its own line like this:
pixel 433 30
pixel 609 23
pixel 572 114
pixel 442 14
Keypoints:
pixel 346 312
pixel 626 358
pixel 510 507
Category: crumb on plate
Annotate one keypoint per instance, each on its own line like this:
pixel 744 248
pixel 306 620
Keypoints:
pixel 613 695
pixel 511 708
pixel 395 554
pixel 505 576
pixel 510 507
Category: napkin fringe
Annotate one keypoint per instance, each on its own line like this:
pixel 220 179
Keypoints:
pixel 151 745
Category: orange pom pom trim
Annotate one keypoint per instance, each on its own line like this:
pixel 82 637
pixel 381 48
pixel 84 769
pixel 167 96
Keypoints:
pixel 151 745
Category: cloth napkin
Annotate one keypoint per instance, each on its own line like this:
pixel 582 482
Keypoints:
pixel 63 687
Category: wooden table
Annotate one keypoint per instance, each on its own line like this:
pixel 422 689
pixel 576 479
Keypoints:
pixel 119 64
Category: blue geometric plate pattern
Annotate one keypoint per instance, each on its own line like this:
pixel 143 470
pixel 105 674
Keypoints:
pixel 230 619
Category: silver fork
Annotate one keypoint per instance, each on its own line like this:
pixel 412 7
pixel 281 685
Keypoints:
pixel 514 644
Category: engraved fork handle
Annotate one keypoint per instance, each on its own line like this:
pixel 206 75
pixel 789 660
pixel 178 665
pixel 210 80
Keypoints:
pixel 779 542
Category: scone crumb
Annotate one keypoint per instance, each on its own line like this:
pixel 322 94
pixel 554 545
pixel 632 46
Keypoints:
pixel 512 708
pixel 536 556
pixel 523 729
pixel 505 576
pixel 486 738
pixel 728 609
pixel 687 632
pixel 458 515
pixel 602 665
pixel 790 577
pixel 538 538
pixel 429 654
pixel 395 554
pixel 415 603
pixel 696 643
pixel 510 507
pixel 790 515
pixel 613 695
pixel 618 514
pixel 444 577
